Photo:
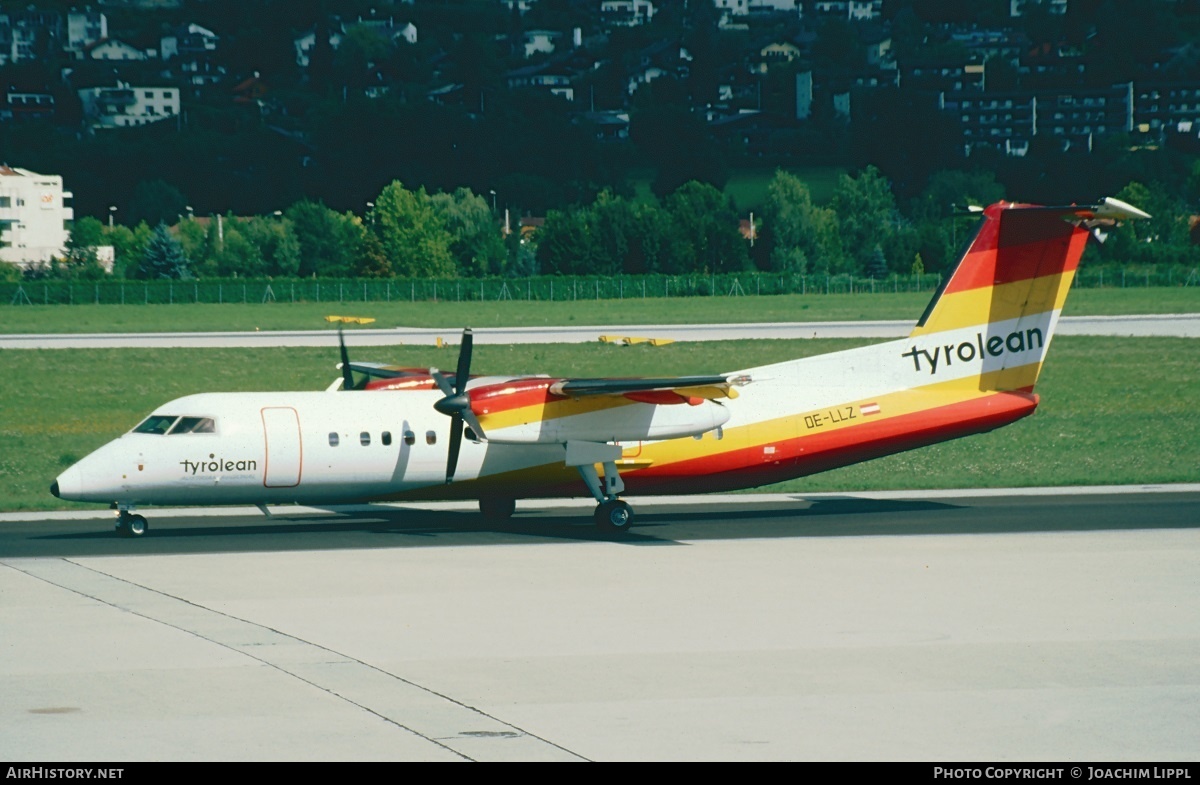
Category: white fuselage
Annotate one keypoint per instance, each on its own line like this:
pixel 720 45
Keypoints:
pixel 316 447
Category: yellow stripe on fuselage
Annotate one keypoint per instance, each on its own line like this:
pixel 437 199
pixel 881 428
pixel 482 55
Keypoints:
pixel 998 303
pixel 837 417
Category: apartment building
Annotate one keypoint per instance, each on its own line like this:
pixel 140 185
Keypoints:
pixel 33 216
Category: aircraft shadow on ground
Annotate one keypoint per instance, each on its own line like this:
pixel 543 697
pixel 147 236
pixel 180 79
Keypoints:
pixel 656 524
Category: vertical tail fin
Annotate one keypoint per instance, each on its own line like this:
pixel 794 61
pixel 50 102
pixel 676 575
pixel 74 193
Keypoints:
pixel 998 309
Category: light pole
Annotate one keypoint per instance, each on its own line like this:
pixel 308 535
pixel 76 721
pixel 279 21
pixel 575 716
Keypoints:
pixel 111 209
pixel 493 193
pixel 191 213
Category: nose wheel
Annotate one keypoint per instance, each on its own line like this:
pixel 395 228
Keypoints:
pixel 131 525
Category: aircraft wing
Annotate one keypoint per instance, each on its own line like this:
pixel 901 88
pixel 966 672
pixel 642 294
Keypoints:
pixel 705 387
pixel 381 371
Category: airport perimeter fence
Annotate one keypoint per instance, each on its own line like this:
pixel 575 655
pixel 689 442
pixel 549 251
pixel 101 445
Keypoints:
pixel 543 289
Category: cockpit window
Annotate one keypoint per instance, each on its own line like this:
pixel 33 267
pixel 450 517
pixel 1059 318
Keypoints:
pixel 157 423
pixel 194 425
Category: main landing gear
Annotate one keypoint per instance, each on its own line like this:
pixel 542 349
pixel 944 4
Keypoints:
pixel 131 525
pixel 613 516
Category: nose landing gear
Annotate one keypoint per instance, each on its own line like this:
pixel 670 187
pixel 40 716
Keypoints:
pixel 131 525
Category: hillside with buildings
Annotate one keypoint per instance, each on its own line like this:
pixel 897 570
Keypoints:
pixel 153 110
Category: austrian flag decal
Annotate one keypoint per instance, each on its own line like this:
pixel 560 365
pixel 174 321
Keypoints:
pixel 868 409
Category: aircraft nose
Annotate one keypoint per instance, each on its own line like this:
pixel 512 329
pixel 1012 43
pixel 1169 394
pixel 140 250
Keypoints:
pixel 69 484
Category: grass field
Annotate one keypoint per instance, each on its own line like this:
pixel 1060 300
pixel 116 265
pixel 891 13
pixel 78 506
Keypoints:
pixel 1113 411
pixel 454 316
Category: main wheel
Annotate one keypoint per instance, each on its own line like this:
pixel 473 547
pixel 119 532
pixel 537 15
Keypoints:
pixel 614 517
pixel 497 508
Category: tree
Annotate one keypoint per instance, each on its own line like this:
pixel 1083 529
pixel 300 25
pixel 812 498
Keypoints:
pixel 565 244
pixel 276 243
pixel 412 234
pixel 867 213
pixel 328 242
pixel 877 267
pixel 163 257
pixel 476 244
pixel 707 222
pixel 193 237
pixel 237 256
pixel 801 234
pixel 1164 238
pixel 371 261
pixel 129 246
pixel 81 260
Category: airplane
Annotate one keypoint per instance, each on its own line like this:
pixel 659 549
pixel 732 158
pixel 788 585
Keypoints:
pixel 969 366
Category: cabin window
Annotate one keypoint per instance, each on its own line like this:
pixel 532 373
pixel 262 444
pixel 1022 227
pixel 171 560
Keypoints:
pixel 387 438
pixel 333 440
pixel 431 437
pixel 364 439
pixel 194 425
pixel 410 438
pixel 157 423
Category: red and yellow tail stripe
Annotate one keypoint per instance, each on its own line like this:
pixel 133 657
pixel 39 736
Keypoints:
pixel 1021 263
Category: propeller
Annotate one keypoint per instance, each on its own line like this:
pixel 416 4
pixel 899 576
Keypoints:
pixel 457 404
pixel 347 374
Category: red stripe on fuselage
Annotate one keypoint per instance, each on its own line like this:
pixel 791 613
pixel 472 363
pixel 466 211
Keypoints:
pixel 818 452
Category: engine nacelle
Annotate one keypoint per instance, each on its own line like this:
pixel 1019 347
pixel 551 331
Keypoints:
pixel 527 411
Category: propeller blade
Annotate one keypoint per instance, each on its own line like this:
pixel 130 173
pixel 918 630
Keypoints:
pixel 456 403
pixel 347 374
pixel 462 375
pixel 456 433
pixel 443 384
pixel 472 421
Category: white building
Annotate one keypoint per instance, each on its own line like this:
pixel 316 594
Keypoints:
pixel 540 42
pixel 191 40
pixel 853 10
pixel 84 28
pixel 33 216
pixel 626 13
pixel 113 49
pixel 776 6
pixel 124 106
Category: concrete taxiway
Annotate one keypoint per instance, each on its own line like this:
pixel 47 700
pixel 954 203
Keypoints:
pixel 1059 624
pixel 1141 326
